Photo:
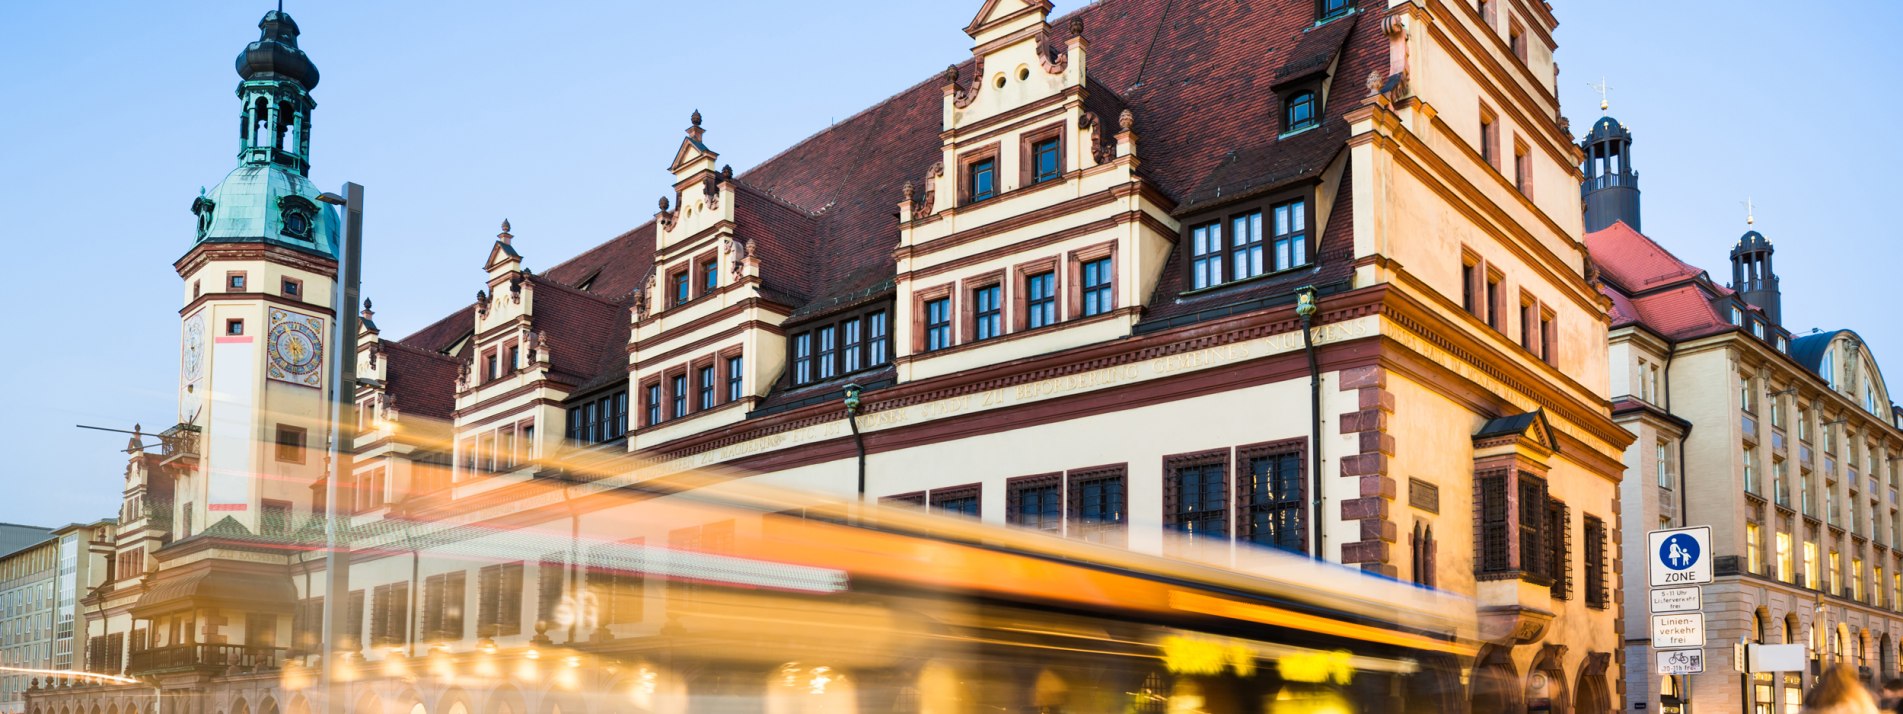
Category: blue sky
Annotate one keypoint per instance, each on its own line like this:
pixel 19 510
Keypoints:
pixel 455 116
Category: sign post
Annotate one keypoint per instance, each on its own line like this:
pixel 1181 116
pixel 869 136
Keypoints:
pixel 1678 563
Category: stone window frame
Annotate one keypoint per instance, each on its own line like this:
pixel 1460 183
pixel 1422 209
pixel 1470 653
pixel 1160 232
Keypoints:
pixel 1241 491
pixel 237 281
pixel 920 320
pixel 1077 260
pixel 1074 505
pixel 1172 495
pixel 971 158
pixel 965 328
pixel 1019 319
pixel 1027 155
pixel 938 496
pixel 1014 489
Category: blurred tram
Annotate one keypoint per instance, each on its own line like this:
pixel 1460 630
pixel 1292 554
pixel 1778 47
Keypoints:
pixel 730 601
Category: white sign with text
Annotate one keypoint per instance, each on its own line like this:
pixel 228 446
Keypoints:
pixel 1685 599
pixel 1684 629
pixel 1681 556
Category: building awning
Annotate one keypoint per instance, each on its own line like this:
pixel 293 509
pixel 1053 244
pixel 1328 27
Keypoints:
pixel 213 588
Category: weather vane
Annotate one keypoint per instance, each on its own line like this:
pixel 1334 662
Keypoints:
pixel 1750 212
pixel 1600 86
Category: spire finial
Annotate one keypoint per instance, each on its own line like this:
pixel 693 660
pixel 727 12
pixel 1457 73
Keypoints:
pixel 1750 212
pixel 1604 90
pixel 504 235
pixel 696 117
pixel 367 312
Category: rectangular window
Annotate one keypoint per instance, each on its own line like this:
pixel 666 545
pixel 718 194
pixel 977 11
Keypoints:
pixel 1661 457
pixel 234 327
pixel 499 595
pixel 1489 138
pixel 1196 497
pixel 1784 555
pixel 736 376
pixel 290 444
pixel 1549 339
pixel 1097 501
pixel 1751 470
pixel 235 282
pixel 1245 245
pixel 1529 325
pixel 1046 162
pixel 550 581
pixel 1522 169
pixel 390 614
pixel 803 358
pixel 1040 300
pixel 876 332
pixel 1330 9
pixel 1037 502
pixel 962 500
pixel 1096 287
pixel 1269 498
pixel 654 403
pixel 983 180
pixel 1291 234
pixel 828 352
pixel 1754 548
pixel 852 349
pixel 938 321
pixel 491 367
pixel 293 287
pixel 615 578
pixel 706 387
pixel 1496 301
pixel 682 287
pixel 1836 573
pixel 1856 579
pixel 1595 531
pixel 988 315
pixel 709 276
pixel 1812 573
pixel 1205 256
pixel 678 394
pixel 1516 39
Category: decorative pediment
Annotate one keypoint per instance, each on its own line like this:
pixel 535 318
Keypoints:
pixel 502 256
pixel 1008 15
pixel 1527 431
pixel 693 157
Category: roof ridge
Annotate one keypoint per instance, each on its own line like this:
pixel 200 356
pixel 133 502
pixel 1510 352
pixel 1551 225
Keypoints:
pixel 413 349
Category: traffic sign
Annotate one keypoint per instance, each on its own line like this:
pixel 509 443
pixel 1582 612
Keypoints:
pixel 1680 661
pixel 1682 629
pixel 1680 556
pixel 1685 599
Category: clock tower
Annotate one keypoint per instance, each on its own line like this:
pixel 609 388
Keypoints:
pixel 258 284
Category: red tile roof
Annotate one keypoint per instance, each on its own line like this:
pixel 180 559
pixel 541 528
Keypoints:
pixel 1195 74
pixel 421 382
pixel 1650 286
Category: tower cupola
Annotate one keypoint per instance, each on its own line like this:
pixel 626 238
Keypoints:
pixel 269 198
pixel 1753 277
pixel 274 95
pixel 1610 191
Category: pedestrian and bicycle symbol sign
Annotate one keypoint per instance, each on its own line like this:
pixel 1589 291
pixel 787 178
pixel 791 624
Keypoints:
pixel 1679 556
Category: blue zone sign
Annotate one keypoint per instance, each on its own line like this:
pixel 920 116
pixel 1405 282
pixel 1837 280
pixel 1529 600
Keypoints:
pixel 1680 556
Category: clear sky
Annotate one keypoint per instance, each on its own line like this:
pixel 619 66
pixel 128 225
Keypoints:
pixel 563 119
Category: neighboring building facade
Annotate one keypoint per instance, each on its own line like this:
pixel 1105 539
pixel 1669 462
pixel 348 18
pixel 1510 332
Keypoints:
pixel 40 610
pixel 1786 445
pixel 26 606
pixel 1117 240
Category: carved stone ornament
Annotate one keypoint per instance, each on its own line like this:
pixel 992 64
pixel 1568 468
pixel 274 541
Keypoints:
pixel 963 96
pixel 482 302
pixel 931 189
pixel 1054 58
pixel 515 289
pixel 740 252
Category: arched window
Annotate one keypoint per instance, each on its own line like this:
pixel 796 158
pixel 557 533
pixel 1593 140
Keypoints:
pixel 1300 112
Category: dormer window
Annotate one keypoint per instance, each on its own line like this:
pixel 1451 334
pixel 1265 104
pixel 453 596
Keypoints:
pixel 1737 317
pixel 1299 112
pixel 1326 10
pixel 1254 239
pixel 298 215
pixel 203 207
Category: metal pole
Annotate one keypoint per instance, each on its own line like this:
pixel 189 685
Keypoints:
pixel 343 380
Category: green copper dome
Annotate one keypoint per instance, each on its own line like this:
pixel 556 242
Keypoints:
pixel 268 198
pixel 267 204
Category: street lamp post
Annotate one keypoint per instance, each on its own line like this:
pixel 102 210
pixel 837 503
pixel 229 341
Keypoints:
pixel 343 380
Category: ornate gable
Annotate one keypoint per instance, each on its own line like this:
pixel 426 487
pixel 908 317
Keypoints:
pixel 1003 17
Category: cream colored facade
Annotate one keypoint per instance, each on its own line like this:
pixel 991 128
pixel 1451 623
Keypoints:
pixel 1797 479
pixel 1453 179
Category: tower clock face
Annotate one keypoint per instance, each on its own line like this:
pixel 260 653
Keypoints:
pixel 193 351
pixel 296 348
